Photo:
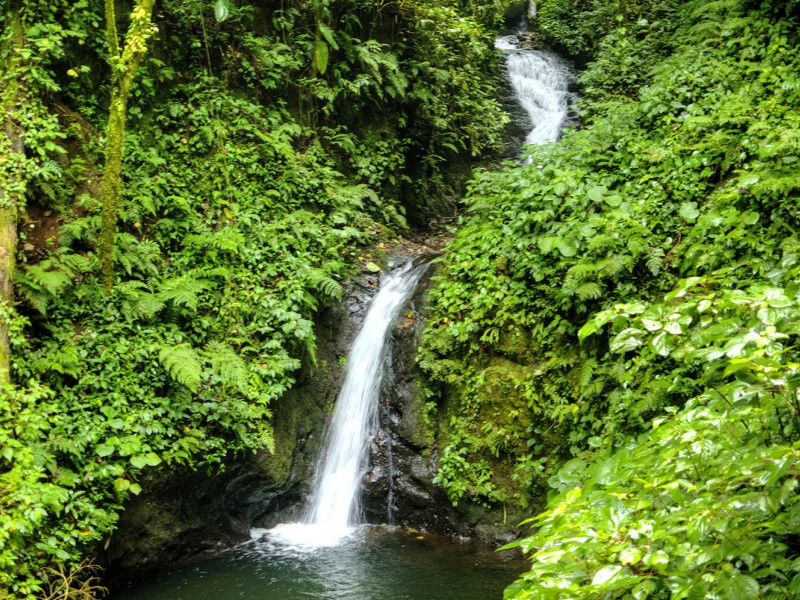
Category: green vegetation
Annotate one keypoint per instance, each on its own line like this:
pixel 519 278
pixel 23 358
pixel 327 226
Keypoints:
pixel 613 337
pixel 636 288
pixel 264 145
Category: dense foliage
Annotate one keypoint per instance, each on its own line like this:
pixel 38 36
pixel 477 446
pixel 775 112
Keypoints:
pixel 265 144
pixel 617 320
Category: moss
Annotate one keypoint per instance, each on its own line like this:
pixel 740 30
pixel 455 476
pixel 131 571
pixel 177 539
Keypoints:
pixel 515 344
pixel 415 425
pixel 294 416
pixel 501 396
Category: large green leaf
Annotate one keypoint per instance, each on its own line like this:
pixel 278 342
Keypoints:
pixel 222 9
pixel 327 33
pixel 321 57
pixel 742 587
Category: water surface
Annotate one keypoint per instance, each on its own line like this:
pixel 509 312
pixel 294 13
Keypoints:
pixel 374 564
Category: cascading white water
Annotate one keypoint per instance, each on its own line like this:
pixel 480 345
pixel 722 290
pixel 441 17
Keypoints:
pixel 541 83
pixel 342 464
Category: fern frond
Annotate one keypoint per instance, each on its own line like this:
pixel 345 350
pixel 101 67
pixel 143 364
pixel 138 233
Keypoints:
pixel 266 437
pixel 324 283
pixel 613 265
pixel 83 229
pixel 138 301
pixel 773 187
pixel 620 372
pixel 227 366
pixel 581 271
pixel 587 372
pixel 654 399
pixel 43 282
pixel 76 262
pixel 208 272
pixel 54 281
pixel 183 364
pixel 705 30
pixel 62 359
pixel 49 169
pixel 147 306
pixel 714 10
pixel 135 255
pixel 655 261
pixel 148 203
pixel 183 290
pixel 731 155
pixel 590 290
pixel 229 240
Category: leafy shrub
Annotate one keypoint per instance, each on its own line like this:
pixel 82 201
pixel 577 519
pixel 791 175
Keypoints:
pixel 682 170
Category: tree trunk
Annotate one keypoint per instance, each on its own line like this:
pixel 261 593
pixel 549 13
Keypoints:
pixel 12 190
pixel 124 62
pixel 8 253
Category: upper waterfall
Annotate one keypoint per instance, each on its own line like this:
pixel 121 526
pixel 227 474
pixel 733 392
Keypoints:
pixel 541 82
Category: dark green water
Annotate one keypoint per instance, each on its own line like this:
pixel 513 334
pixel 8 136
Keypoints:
pixel 374 565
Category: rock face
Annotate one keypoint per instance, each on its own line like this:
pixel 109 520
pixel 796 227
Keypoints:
pixel 181 515
pixel 399 488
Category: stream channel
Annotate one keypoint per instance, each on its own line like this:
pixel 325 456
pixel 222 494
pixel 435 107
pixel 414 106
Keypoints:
pixel 329 553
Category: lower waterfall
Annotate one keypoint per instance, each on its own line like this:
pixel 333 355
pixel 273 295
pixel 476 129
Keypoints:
pixel 334 502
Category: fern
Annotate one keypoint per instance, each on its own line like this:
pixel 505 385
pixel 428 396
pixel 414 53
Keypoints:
pixel 620 372
pixel 183 364
pixel 774 187
pixel 208 272
pixel 324 283
pixel 705 30
pixel 311 348
pixel 227 366
pixel 62 359
pixel 147 306
pixel 590 290
pixel 614 265
pixel 229 240
pixel 266 437
pixel 655 261
pixel 732 154
pixel 82 229
pixel 49 169
pixel 655 398
pixel 138 302
pixel 43 282
pixel 581 271
pixel 136 256
pixel 183 290
pixel 715 8
pixel 587 372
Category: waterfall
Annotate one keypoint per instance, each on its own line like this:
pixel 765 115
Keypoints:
pixel 334 502
pixel 540 81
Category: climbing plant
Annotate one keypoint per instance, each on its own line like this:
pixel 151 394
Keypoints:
pixel 124 62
